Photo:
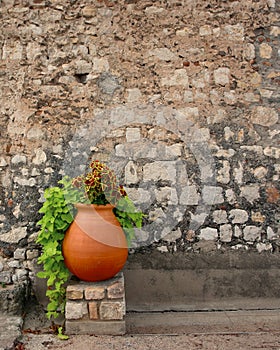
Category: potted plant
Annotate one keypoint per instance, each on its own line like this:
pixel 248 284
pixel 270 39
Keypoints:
pixel 86 228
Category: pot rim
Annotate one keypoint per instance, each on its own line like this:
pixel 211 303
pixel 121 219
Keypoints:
pixel 96 206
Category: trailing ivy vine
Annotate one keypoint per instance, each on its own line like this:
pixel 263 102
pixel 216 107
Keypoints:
pixel 58 214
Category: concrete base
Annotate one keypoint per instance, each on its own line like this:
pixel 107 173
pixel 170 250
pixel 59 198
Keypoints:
pixel 96 328
pixel 96 308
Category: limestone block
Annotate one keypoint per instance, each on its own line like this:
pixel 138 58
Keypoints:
pixel 220 216
pixel 206 172
pixel 221 76
pixel 257 217
pixel 264 116
pixel 225 233
pixel 21 275
pixel 15 235
pixel 75 310
pixel 265 50
pixel 238 173
pixel 74 292
pixel 139 195
pixel 25 182
pixel 250 192
pixel 235 32
pixel 5 277
pixel 132 134
pixel 14 264
pixel 100 65
pixel 3 162
pixel 130 173
pixel 35 133
pixel 40 157
pixel 108 83
pixel 12 51
pixel 212 195
pixel 93 310
pixel 223 175
pixel 273 152
pixel 151 10
pixel 208 234
pixel 178 78
pixel 174 151
pixel 264 247
pixel 18 158
pixel 255 79
pixel 111 310
pixel 120 150
pixel 252 233
pixel 270 233
pixel 260 172
pixel 205 30
pixel 33 50
pixel 274 30
pixel 18 120
pixel 160 170
pixel 134 95
pixel 237 232
pixel 197 219
pixel 136 150
pixel 95 292
pixel 163 54
pixel 32 254
pixel 19 254
pixel 166 194
pixel 230 97
pixel 83 67
pixel 162 249
pixel 188 96
pixel 201 135
pixel 157 215
pixel 249 51
pixel 189 195
pixel 89 11
pixel 172 236
pixel 238 216
pixel 116 290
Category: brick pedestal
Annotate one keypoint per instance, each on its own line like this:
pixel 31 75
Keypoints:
pixel 96 307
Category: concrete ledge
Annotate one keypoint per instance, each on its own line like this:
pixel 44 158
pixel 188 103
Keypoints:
pixel 202 322
pixel 204 281
pixel 95 328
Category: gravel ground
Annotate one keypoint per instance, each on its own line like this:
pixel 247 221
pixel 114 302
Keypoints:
pixel 243 341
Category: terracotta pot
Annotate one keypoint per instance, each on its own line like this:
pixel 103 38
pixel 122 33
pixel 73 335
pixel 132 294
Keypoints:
pixel 95 246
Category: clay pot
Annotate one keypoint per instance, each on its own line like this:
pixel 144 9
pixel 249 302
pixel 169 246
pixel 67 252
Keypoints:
pixel 95 246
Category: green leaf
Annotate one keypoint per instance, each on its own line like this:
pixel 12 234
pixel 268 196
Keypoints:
pixel 60 334
pixel 41 274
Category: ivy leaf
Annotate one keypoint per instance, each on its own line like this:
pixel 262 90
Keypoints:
pixel 42 274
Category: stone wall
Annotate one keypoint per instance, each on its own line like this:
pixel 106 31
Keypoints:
pixel 181 98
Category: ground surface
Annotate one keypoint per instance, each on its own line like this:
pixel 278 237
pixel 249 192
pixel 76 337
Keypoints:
pixel 157 342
